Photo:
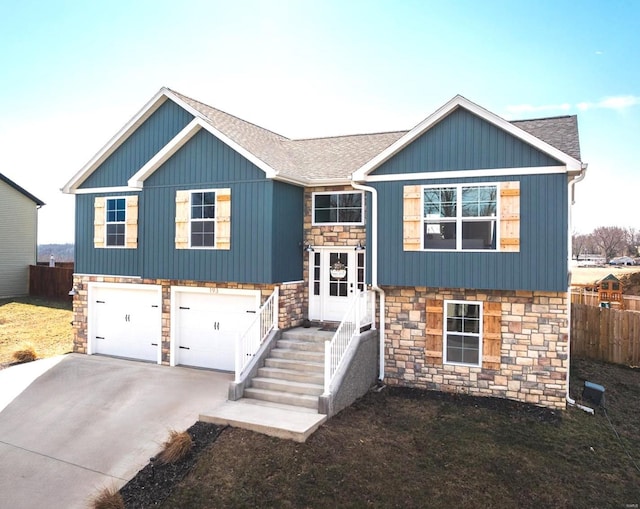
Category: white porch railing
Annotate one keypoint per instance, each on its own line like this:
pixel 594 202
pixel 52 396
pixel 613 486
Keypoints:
pixel 249 342
pixel 361 312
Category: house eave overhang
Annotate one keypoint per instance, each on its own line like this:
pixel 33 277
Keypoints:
pixel 362 174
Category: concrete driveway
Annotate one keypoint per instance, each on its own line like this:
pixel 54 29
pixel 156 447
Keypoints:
pixel 92 421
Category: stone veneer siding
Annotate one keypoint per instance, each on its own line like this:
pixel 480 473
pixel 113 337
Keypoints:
pixel 533 360
pixel 291 311
pixel 331 235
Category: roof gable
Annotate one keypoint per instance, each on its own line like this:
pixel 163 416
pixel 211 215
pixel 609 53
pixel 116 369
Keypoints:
pixel 242 136
pixel 21 190
pixel 463 141
pixel 435 118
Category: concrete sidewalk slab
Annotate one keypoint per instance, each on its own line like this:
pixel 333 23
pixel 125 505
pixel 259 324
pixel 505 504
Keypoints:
pixel 282 421
pixel 15 379
pixel 92 421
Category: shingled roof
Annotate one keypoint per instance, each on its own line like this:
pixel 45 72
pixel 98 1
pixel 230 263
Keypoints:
pixel 560 132
pixel 336 158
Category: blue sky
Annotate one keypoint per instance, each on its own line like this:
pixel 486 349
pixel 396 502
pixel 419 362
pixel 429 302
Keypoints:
pixel 74 72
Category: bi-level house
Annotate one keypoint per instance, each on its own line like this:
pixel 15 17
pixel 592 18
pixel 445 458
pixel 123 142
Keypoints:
pixel 200 237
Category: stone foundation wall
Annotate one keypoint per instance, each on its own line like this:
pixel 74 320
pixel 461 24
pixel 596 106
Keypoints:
pixel 533 349
pixel 291 309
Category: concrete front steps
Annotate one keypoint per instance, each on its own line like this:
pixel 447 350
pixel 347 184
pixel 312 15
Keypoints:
pixel 293 373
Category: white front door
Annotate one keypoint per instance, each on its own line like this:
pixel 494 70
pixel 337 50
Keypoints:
pixel 335 274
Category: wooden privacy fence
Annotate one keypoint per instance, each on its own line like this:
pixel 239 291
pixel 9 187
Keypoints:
pixel 50 282
pixel 604 334
pixel 631 302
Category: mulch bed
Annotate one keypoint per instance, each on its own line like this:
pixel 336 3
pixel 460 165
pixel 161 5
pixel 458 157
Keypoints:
pixel 154 483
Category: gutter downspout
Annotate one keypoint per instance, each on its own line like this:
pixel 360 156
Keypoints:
pixel 571 201
pixel 374 268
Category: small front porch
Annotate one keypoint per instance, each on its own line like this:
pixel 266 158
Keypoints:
pixel 294 380
pixel 296 372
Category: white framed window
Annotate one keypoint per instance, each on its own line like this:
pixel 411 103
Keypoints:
pixel 202 219
pixel 115 221
pixel 462 342
pixel 460 217
pixel 340 207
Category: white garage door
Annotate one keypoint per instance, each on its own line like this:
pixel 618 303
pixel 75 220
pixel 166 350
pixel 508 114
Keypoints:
pixel 206 326
pixel 126 321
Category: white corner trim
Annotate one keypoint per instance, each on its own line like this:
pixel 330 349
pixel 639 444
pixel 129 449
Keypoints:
pixel 458 174
pixel 137 180
pixel 459 101
pixel 116 141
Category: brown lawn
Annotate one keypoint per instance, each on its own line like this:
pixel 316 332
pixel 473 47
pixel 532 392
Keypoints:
pixel 41 324
pixel 588 275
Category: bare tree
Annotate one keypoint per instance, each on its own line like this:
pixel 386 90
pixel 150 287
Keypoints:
pixel 583 244
pixel 632 239
pixel 578 245
pixel 610 240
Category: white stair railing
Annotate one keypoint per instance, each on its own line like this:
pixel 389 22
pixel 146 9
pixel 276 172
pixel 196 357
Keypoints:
pixel 249 342
pixel 359 313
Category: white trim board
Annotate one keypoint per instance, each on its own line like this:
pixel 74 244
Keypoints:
pixel 458 174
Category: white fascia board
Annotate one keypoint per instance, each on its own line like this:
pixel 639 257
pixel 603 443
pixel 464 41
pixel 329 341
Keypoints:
pixel 458 174
pixel 290 180
pixel 120 137
pixel 102 190
pixel 178 141
pixel 340 181
pixel 305 182
pixel 443 111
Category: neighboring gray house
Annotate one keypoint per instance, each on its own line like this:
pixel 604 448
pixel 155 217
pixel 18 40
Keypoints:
pixel 18 237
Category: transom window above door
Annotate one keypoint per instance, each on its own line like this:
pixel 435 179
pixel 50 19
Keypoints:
pixel 341 207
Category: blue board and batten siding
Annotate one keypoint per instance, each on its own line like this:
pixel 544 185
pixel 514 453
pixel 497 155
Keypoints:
pixel 541 263
pixel 115 261
pixel 463 141
pixel 266 223
pixel 167 121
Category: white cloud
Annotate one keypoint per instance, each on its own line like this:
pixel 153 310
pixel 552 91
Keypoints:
pixel 619 103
